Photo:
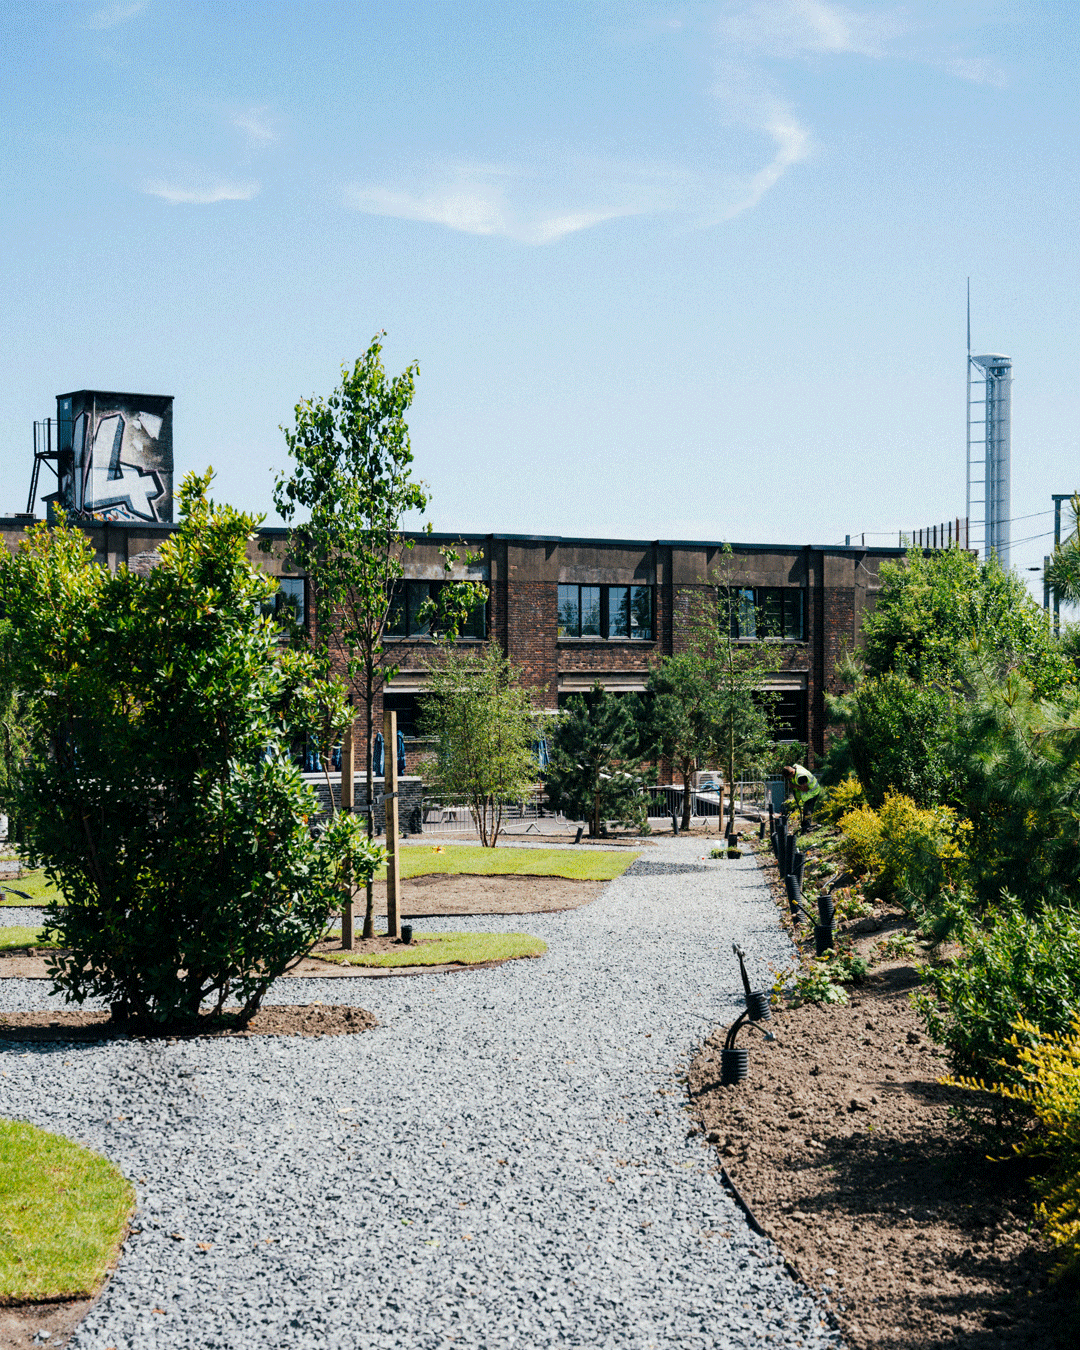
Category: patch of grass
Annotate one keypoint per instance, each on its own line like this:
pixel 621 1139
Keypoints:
pixel 13 938
pixel 444 949
pixel 575 864
pixel 63 1212
pixel 32 884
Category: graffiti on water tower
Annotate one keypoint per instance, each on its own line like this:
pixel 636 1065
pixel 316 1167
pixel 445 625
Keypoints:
pixel 116 461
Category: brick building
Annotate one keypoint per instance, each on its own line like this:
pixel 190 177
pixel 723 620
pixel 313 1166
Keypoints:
pixel 573 612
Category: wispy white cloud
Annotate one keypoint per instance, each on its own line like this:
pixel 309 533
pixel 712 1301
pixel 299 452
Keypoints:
pixel 203 194
pixel 788 28
pixel 110 15
pixel 474 199
pixel 793 145
pixel 256 124
pixel 978 70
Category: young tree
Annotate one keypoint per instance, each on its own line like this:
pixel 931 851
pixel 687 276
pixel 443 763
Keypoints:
pixel 159 794
pixel 595 770
pixel 485 725
pixel 352 477
pixel 686 715
pixel 708 699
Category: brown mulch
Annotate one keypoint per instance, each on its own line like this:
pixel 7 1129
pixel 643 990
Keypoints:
pixel 309 1019
pixel 842 1144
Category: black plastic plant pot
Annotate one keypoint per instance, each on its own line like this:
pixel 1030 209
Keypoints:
pixel 759 1006
pixel 794 891
pixel 799 865
pixel 734 852
pixel 406 933
pixel 791 850
pixel 826 909
pixel 761 830
pixel 734 1066
pixel 823 938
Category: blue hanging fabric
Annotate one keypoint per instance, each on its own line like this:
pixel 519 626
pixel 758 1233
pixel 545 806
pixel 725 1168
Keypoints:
pixel 543 754
pixel 335 757
pixel 377 755
pixel 401 752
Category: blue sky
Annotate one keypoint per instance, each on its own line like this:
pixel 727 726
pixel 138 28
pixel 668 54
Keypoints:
pixel 669 270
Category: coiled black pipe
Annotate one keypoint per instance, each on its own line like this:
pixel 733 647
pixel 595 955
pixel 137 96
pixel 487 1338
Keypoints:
pixel 823 938
pixel 734 1065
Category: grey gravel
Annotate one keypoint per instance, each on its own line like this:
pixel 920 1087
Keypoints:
pixel 15 916
pixel 504 1162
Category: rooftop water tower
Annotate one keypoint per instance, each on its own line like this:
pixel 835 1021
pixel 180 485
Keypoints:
pixel 112 454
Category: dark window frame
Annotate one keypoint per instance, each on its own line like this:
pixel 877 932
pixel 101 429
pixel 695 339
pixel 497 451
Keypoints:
pixel 409 595
pixel 566 606
pixel 770 614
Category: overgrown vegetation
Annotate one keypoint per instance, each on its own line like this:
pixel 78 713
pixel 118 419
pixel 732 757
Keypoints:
pixel 962 804
pixel 63 1214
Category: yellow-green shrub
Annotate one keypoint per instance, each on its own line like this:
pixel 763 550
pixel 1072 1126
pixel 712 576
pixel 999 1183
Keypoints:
pixel 846 796
pixel 1050 1089
pixel 910 851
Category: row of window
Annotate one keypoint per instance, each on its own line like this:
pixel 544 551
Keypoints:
pixel 606 612
pixel 773 613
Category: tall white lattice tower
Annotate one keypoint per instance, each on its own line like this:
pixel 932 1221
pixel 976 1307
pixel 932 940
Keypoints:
pixel 989 450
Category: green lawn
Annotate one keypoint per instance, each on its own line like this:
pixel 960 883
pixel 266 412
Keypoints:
pixel 21 937
pixel 583 864
pixel 443 949
pixel 63 1212
pixel 32 884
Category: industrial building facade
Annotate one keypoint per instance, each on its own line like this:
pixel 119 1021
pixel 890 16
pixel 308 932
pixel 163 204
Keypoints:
pixel 572 613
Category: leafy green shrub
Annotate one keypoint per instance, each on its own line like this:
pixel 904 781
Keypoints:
pixel 847 796
pixel 160 796
pixel 899 734
pixel 1014 969
pixel 910 852
pixel 1048 1070
pixel 844 966
pixel 816 986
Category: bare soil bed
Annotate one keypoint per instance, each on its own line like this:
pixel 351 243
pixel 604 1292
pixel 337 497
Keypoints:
pixel 20 1323
pixel 455 895
pixel 310 1019
pixel 842 1144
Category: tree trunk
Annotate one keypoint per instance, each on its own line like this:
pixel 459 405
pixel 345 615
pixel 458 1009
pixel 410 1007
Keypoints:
pixel 348 763
pixel 369 704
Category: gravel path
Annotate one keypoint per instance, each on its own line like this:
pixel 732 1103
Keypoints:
pixel 503 1163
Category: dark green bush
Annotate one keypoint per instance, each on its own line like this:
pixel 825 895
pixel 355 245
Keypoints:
pixel 158 793
pixel 1013 966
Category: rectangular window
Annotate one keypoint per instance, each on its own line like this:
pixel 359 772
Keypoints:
pixel 569 611
pixel 590 611
pixel 616 612
pixel 772 613
pixel 404 618
pixel 287 606
pixel 641 616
